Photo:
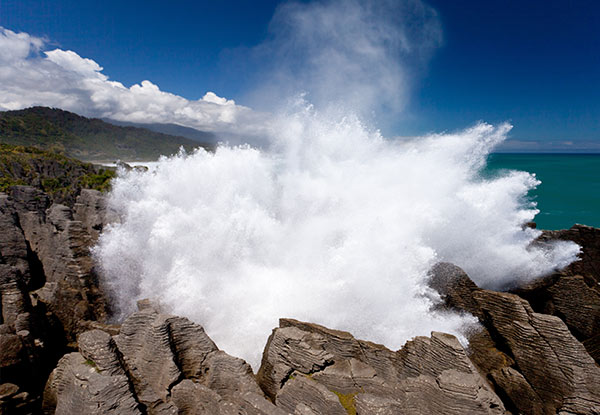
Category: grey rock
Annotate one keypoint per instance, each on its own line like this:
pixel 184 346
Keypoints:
pixel 588 238
pixel 195 399
pixel 307 367
pixel 99 347
pixel 192 346
pixel 14 298
pixel 367 403
pixel 528 354
pixel 62 246
pixel 304 395
pixel 92 210
pixel 160 350
pixel 144 341
pixel 169 365
pixel 13 247
pixel 551 360
pixel 77 386
pixel 518 391
pixel 28 198
pixel 571 298
pixel 455 287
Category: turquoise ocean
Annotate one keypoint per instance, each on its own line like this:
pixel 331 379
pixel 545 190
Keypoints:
pixel 570 189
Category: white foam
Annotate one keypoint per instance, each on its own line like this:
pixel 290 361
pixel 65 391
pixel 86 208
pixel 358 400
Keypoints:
pixel 332 224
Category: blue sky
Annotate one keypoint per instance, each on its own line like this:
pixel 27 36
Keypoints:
pixel 535 64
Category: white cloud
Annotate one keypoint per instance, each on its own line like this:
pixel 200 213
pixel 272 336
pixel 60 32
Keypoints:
pixel 71 61
pixel 63 79
pixel 352 56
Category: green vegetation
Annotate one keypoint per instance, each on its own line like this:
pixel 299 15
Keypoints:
pixel 347 401
pixel 59 176
pixel 91 363
pixel 64 132
pixel 99 181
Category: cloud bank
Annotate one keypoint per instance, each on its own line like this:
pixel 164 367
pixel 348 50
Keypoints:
pixel 355 56
pixel 30 75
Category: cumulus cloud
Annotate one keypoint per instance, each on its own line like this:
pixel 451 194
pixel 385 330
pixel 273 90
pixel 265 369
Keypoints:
pixel 31 76
pixel 355 56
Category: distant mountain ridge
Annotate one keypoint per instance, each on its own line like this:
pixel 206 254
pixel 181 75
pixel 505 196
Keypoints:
pixel 88 139
pixel 170 129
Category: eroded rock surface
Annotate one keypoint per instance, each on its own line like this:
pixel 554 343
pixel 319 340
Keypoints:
pixel 533 354
pixel 534 361
pixel 307 368
pixel 157 364
pixel 572 294
pixel 48 288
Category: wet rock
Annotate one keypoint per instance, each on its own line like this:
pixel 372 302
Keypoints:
pixel 589 239
pixel 455 287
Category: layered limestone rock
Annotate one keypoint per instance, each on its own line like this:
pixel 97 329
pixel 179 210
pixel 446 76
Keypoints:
pixel 588 238
pixel 62 245
pixel 92 210
pixel 533 353
pixel 307 368
pixel 573 294
pixel 535 362
pixel 48 288
pixel 157 364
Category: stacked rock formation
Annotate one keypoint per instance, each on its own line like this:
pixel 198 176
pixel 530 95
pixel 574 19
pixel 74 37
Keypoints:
pixel 536 350
pixel 533 360
pixel 48 287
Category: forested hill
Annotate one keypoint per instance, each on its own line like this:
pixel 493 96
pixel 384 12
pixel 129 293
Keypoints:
pixel 88 139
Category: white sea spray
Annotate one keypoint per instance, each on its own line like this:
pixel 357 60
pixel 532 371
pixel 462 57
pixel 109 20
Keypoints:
pixel 332 223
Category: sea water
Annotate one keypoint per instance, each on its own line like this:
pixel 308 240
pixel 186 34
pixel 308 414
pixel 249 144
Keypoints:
pixel 569 192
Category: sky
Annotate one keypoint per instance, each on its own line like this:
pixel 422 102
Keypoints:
pixel 427 66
